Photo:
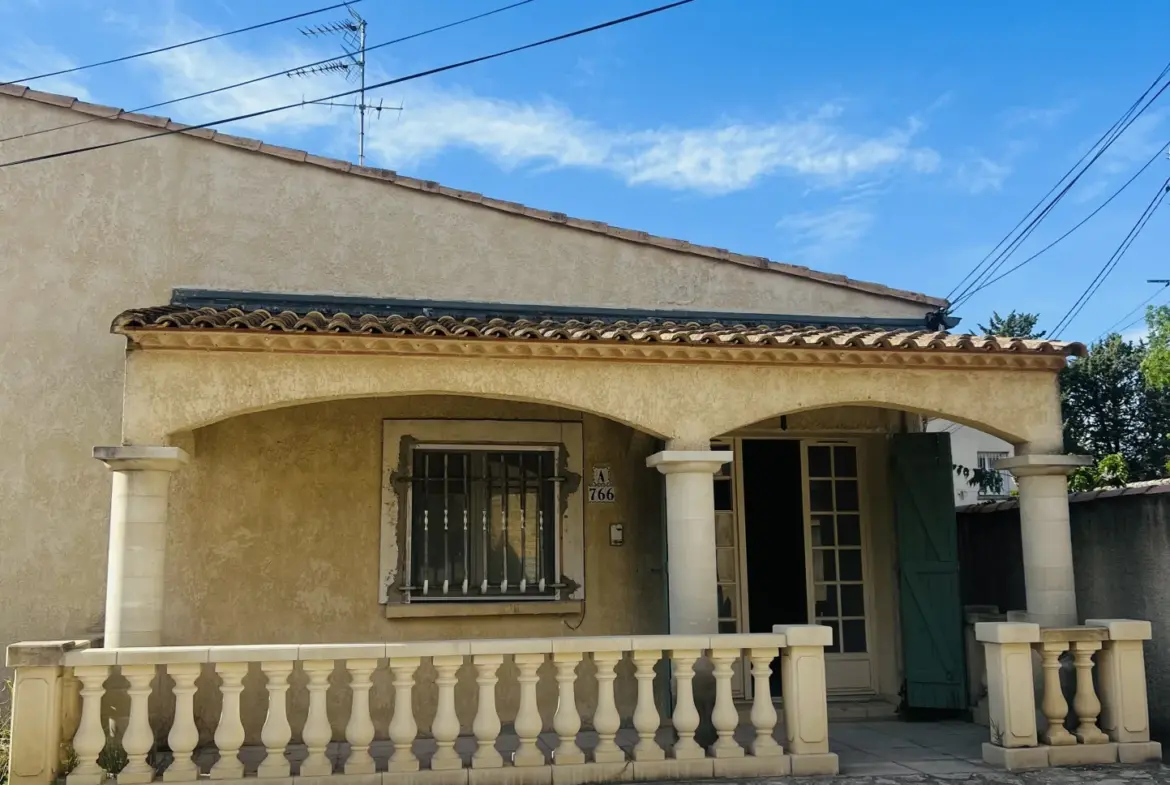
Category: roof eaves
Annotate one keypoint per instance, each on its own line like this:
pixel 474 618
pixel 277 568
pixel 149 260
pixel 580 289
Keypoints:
pixel 629 235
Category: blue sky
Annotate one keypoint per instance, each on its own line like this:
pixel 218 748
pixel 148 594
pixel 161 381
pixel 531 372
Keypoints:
pixel 893 142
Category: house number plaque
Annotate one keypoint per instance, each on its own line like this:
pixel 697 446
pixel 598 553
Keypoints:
pixel 601 486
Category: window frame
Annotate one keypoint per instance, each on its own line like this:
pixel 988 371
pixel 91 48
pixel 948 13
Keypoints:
pixel 413 594
pixel 399 435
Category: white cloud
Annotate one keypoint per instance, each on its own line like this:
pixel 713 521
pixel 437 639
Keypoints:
pixel 1140 141
pixel 820 235
pixel 1044 116
pixel 719 158
pixel 981 175
pixel 29 59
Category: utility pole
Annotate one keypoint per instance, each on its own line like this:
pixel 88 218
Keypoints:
pixel 352 64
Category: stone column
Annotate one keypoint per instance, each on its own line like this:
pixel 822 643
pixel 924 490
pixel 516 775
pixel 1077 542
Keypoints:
pixel 1044 529
pixel 138 523
pixel 690 537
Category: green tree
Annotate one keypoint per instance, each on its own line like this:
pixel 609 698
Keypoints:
pixel 1156 364
pixel 1110 472
pixel 1014 325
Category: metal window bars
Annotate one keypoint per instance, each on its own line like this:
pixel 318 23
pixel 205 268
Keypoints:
pixel 513 494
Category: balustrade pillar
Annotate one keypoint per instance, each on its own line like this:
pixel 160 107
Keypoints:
pixel 138 519
pixel 725 718
pixel 317 732
pixel 567 720
pixel 359 731
pixel 606 720
pixel 528 724
pixel 276 733
pixel 445 726
pixel 229 733
pixel 91 736
pixel 403 727
pixel 486 726
pixel 806 704
pixel 1011 695
pixel 763 714
pixel 686 714
pixel 1085 702
pixel 39 695
pixel 1121 675
pixel 1053 705
pixel 138 738
pixel 646 719
pixel 184 735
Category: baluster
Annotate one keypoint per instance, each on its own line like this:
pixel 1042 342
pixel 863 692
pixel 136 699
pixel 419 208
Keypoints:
pixel 229 734
pixel 528 724
pixel 567 721
pixel 403 728
pixel 184 736
pixel 276 733
pixel 1053 706
pixel 445 727
pixel 1085 702
pixel 318 732
pixel 90 737
pixel 138 738
pixel 606 720
pixel 763 714
pixel 686 715
pixel 724 716
pixel 646 720
pixel 486 725
pixel 359 731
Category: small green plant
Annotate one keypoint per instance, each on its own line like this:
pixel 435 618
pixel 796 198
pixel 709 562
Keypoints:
pixel 113 758
pixel 996 735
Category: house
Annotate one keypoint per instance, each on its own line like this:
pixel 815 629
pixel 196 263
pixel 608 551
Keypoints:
pixel 973 449
pixel 555 474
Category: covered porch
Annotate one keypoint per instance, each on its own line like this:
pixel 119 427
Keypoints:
pixel 419 547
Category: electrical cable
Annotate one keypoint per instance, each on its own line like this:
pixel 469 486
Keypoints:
pixel 976 270
pixel 386 83
pixel 254 80
pixel 1015 244
pixel 1112 262
pixel 161 49
pixel 1139 306
pixel 1082 222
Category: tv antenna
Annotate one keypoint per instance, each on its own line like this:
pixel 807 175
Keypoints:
pixel 352 64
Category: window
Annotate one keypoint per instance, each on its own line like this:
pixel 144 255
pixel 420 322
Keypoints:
pixel 986 462
pixel 483 523
pixel 835 532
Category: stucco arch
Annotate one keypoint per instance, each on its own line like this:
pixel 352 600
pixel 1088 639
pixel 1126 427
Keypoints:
pixel 685 403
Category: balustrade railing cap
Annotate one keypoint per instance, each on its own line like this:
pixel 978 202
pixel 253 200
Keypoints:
pixel 31 654
pixel 1073 634
pixel 805 634
pixel 1007 632
pixel 1124 629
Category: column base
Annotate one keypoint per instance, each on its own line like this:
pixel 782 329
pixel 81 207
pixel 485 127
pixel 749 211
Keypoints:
pixel 813 763
pixel 1015 758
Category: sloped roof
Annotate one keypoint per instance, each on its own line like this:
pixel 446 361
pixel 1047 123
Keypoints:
pixel 1144 488
pixel 184 318
pixel 98 111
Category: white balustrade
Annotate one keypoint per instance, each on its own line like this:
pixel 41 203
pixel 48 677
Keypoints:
pixel 254 725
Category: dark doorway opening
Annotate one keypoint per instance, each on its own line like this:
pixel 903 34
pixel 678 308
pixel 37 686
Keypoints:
pixel 773 502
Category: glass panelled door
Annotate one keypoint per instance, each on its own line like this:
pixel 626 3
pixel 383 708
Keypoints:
pixel 727 573
pixel 837 571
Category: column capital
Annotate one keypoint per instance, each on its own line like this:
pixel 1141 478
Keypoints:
pixel 689 461
pixel 134 457
pixel 1035 465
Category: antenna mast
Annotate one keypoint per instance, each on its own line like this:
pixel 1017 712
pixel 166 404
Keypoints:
pixel 352 64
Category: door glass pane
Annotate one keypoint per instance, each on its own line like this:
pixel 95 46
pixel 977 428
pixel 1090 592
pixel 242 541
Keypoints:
pixel 845 461
pixel 853 636
pixel 836 628
pixel 822 530
pixel 722 494
pixel 847 496
pixel 820 494
pixel 824 565
pixel 849 529
pixel 826 600
pixel 724 530
pixel 725 565
pixel 852 600
pixel 850 561
pixel 728 606
pixel 819 462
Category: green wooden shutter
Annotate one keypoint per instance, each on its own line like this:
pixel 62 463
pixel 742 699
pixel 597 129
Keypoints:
pixel 928 566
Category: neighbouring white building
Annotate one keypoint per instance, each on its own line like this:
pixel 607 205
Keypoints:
pixel 974 449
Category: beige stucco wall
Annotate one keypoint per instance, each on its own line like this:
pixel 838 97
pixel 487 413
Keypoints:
pixel 274 538
pixel 87 236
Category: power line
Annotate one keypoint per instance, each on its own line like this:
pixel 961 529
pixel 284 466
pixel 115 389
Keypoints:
pixel 1082 222
pixel 1019 240
pixel 1110 135
pixel 161 49
pixel 347 93
pixel 1112 262
pixel 275 74
pixel 1138 307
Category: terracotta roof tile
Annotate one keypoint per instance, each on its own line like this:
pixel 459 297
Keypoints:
pixel 175 317
pixel 630 235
